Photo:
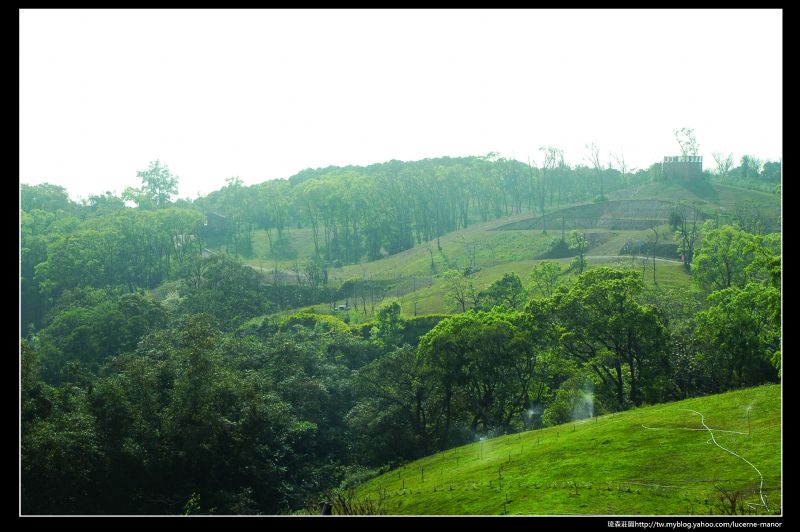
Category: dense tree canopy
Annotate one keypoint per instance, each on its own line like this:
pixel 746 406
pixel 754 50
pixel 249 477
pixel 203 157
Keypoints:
pixel 163 375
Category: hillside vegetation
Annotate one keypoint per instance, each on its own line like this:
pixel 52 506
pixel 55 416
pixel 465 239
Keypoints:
pixel 259 348
pixel 653 460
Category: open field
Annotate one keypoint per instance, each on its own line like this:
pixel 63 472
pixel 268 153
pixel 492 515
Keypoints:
pixel 517 243
pixel 653 460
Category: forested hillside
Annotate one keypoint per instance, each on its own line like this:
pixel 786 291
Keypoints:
pixel 256 349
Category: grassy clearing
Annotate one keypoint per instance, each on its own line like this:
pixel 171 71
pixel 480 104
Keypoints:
pixel 414 273
pixel 701 192
pixel 493 247
pixel 609 465
pixel 430 294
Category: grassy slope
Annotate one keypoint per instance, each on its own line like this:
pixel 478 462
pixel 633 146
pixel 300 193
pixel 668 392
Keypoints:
pixel 611 465
pixel 429 296
pixel 503 251
pixel 711 194
pixel 724 197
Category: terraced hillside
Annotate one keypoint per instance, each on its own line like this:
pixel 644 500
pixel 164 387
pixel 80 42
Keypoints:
pixel 612 215
pixel 614 230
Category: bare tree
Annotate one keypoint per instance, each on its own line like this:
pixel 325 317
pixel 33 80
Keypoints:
pixel 414 295
pixel 433 265
pixel 593 157
pixel 683 221
pixel 750 218
pixel 687 141
pixel 551 157
pixel 724 163
pixel 623 167
pixel 654 229
pixel 460 290
pixel 471 250
pixel 645 259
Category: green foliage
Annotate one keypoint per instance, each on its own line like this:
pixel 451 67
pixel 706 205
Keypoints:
pixel 544 278
pixel 507 292
pixel 398 413
pixel 90 331
pixel 675 220
pixel 45 197
pixel 311 320
pixel 461 292
pixel 488 361
pixel 609 466
pixel 104 204
pixel 578 244
pixel 192 506
pixel 416 327
pixel 226 289
pixel 603 326
pixel 131 406
pixel 752 173
pixel 574 400
pixel 388 330
pixel 158 187
pixel 766 265
pixel 130 248
pixel 725 258
pixel 282 249
pixel 741 333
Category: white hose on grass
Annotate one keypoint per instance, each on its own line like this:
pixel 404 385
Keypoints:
pixel 761 484
pixel 711 432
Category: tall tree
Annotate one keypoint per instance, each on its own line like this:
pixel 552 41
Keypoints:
pixel 593 157
pixel 723 257
pixel 506 291
pixel 578 244
pixel 461 291
pixel 654 229
pixel 741 332
pixel 619 158
pixel 544 278
pixel 158 187
pixel 684 222
pixel 724 164
pixel 750 167
pixel 687 141
pixel 604 327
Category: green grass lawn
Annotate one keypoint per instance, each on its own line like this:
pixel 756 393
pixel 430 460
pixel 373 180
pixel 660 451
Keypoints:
pixel 611 465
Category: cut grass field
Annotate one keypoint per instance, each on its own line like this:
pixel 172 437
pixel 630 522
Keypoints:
pixel 656 460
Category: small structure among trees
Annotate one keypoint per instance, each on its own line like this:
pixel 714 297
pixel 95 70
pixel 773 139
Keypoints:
pixel 686 167
pixel 216 224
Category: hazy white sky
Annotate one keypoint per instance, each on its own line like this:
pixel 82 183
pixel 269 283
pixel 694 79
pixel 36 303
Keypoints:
pixel 264 94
